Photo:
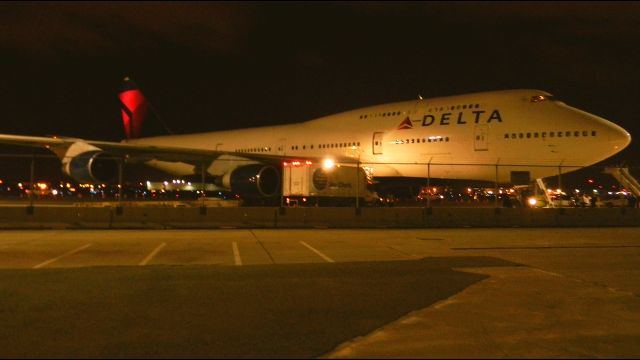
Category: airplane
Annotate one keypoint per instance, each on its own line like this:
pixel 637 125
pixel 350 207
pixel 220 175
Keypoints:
pixel 487 136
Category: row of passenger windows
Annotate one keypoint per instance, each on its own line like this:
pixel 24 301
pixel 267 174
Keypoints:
pixel 303 147
pixel 433 109
pixel 455 107
pixel 550 133
pixel 326 146
pixel 422 140
pixel 385 114
pixel 253 150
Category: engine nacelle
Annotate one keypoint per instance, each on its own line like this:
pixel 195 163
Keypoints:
pixel 253 180
pixel 88 164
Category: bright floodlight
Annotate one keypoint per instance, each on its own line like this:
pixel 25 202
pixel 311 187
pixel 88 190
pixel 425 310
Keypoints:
pixel 328 164
pixel 533 201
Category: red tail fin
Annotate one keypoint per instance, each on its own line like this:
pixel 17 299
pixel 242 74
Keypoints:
pixel 134 108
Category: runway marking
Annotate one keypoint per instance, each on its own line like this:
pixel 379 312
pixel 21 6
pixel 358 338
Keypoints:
pixel 153 253
pixel 615 291
pixel 325 257
pixel 547 272
pixel 41 265
pixel 236 254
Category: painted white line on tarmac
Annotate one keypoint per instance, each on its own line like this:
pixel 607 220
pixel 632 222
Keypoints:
pixel 548 272
pixel 236 254
pixel 153 253
pixel 41 265
pixel 325 257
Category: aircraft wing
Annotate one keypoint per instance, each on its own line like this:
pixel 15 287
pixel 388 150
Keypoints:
pixel 141 152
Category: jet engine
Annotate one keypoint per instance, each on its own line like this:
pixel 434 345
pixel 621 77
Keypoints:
pixel 89 164
pixel 254 180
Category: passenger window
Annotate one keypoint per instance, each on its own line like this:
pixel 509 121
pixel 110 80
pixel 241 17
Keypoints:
pixel 506 136
pixel 585 133
pixel 593 133
pixel 576 133
pixel 552 134
pixel 567 134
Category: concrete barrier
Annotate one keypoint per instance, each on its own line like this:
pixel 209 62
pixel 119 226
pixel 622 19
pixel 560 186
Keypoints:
pixel 48 217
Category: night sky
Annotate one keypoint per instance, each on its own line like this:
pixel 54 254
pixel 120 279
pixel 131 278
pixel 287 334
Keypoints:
pixel 215 66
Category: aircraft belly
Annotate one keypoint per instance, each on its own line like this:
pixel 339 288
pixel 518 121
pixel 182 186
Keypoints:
pixel 226 163
pixel 173 168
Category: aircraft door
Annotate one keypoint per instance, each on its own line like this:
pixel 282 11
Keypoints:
pixel 282 143
pixel 376 143
pixel 481 138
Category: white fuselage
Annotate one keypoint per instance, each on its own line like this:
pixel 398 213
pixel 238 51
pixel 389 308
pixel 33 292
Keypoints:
pixel 477 136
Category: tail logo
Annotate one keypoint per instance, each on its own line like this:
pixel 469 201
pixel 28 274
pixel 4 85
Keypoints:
pixel 134 108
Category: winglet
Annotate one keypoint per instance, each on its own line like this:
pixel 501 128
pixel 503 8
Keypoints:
pixel 134 108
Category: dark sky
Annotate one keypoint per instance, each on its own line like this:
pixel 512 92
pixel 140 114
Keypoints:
pixel 214 66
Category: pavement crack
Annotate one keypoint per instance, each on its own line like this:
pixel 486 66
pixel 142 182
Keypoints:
pixel 263 247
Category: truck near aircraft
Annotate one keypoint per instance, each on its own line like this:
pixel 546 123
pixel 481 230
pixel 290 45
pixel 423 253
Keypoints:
pixel 305 183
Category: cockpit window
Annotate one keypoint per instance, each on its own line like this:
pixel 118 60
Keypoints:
pixel 541 98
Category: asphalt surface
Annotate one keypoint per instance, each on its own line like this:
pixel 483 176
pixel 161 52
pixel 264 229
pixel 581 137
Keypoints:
pixel 454 293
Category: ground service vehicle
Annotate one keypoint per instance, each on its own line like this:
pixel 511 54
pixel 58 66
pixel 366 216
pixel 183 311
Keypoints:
pixel 305 183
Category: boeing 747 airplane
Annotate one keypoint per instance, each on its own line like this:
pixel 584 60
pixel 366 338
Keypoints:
pixel 479 136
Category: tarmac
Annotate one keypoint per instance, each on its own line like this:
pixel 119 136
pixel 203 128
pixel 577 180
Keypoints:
pixel 329 293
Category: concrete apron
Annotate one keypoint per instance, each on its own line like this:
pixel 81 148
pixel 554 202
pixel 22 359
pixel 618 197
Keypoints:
pixel 516 312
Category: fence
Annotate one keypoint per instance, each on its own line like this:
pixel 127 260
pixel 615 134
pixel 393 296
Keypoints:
pixel 37 179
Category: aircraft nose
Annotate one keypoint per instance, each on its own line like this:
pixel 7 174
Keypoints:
pixel 619 138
